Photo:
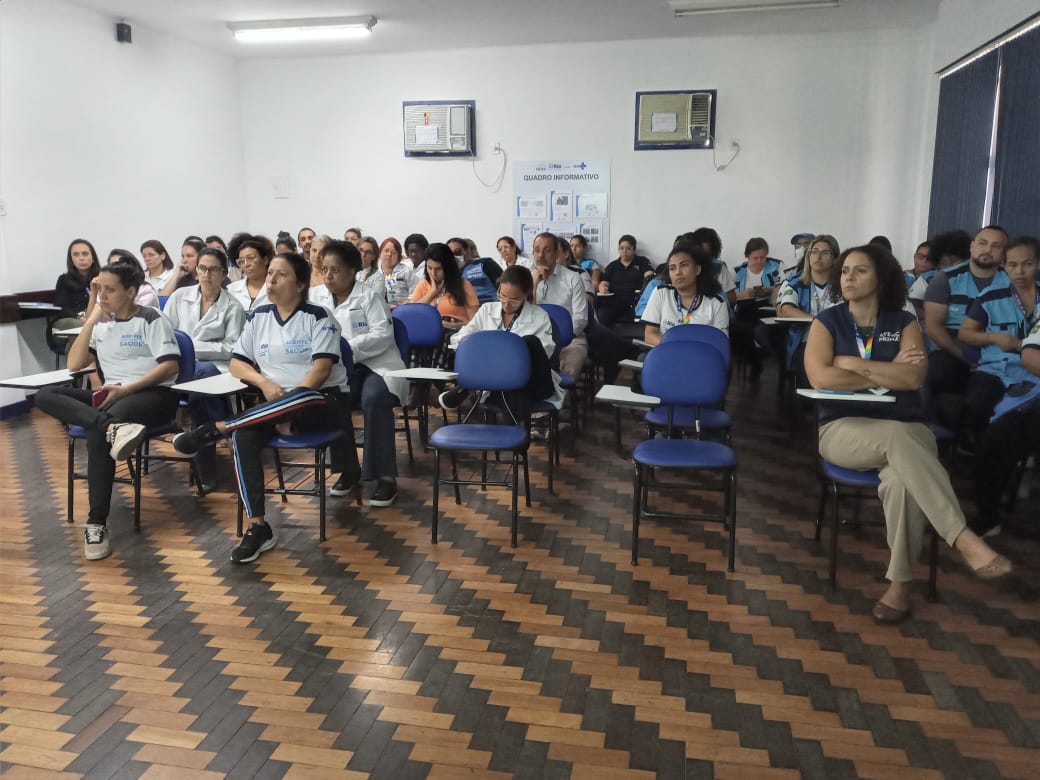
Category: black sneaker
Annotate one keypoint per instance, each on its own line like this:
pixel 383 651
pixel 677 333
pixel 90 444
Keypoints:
pixel 451 400
pixel 190 442
pixel 385 494
pixel 344 486
pixel 258 538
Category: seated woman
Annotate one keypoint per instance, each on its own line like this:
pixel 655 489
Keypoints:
pixel 213 320
pixel 146 294
pixel 398 279
pixel 870 341
pixel 157 263
pixel 184 274
pixel 253 255
pixel 137 354
pixel 579 248
pixel 692 297
pixel 755 281
pixel 72 290
pixel 289 350
pixel 712 243
pixel 314 246
pixel 444 288
pixel 805 296
pixel 364 316
pixel 515 312
pixel 621 282
pixel 510 254
pixel 369 273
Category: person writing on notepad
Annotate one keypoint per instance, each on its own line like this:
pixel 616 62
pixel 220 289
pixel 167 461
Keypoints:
pixel 869 341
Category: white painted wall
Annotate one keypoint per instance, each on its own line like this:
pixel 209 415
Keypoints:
pixel 964 25
pixel 831 129
pixel 117 143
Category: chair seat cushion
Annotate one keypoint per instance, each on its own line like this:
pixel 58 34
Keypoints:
pixel 479 436
pixel 684 453
pixel 304 441
pixel 567 381
pixel 851 477
pixel 684 417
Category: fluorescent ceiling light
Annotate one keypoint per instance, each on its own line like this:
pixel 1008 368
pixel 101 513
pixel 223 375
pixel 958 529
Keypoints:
pixel 683 7
pixel 330 28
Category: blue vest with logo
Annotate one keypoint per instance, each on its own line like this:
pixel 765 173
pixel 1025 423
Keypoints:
pixel 963 291
pixel 770 274
pixel 482 284
pixel 888 332
pixel 1003 316
pixel 798 334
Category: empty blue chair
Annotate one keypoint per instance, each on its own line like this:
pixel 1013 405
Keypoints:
pixel 494 361
pixel 425 332
pixel 684 374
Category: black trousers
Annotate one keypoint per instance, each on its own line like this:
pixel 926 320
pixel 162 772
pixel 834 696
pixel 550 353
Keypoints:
pixel 1008 440
pixel 72 406
pixel 982 393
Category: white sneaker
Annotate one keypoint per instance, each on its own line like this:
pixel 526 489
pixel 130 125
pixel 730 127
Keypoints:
pixel 95 542
pixel 124 438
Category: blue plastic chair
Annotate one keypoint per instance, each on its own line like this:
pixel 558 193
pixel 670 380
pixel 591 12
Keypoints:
pixel 162 301
pixel 425 332
pixel 492 361
pixel 319 442
pixel 137 466
pixel 697 332
pixel 563 332
pixel 684 374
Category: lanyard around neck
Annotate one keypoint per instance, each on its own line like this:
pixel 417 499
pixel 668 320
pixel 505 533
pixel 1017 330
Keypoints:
pixel 1031 319
pixel 684 312
pixel 512 322
pixel 865 346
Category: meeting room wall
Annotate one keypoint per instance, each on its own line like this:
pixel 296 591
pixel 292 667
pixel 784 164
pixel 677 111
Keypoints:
pixel 114 142
pixel 831 131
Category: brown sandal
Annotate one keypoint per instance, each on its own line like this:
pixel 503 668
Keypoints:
pixel 994 570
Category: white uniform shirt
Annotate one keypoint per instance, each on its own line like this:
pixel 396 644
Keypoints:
pixel 126 350
pixel 240 293
pixel 399 283
pixel 531 321
pixel 916 292
pixel 158 282
pixel 214 333
pixel 564 288
pixel 663 311
pixel 365 319
pixel 285 351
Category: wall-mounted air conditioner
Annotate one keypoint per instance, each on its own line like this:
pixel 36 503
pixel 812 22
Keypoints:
pixel 439 128
pixel 679 119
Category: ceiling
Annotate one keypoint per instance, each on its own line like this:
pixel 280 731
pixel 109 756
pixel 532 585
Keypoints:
pixel 425 25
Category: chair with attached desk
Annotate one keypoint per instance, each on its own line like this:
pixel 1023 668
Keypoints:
pixel 684 374
pixel 493 361
pixel 319 442
pixel 425 332
pixel 563 332
pixel 137 466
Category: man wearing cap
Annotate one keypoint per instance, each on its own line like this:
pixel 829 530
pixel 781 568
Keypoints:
pixel 800 242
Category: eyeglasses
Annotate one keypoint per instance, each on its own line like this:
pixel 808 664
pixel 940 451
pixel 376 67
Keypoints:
pixel 209 269
pixel 504 299
pixel 246 260
pixel 821 252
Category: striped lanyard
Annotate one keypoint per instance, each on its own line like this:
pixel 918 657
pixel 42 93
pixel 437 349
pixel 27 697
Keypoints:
pixel 865 346
pixel 686 313
pixel 1031 321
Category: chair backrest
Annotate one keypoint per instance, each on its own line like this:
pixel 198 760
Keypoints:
pixel 423 323
pixel 346 354
pixel 703 333
pixel 162 301
pixel 563 323
pixel 404 346
pixel 186 364
pixel 685 373
pixel 493 360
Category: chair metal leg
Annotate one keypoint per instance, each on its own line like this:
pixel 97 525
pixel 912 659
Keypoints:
pixel 71 475
pixel 281 477
pixel 136 475
pixel 455 476
pixel 835 525
pixel 436 493
pixel 516 490
pixel 933 566
pixel 731 513
pixel 319 454
pixel 527 481
pixel 637 495
pixel 551 454
pixel 819 511
pixel 408 434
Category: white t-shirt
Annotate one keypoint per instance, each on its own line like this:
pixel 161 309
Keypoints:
pixel 285 351
pixel 665 312
pixel 752 279
pixel 158 282
pixel 214 333
pixel 126 350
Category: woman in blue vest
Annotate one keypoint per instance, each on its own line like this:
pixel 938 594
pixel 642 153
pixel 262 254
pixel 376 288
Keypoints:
pixel 755 278
pixel 867 342
pixel 806 296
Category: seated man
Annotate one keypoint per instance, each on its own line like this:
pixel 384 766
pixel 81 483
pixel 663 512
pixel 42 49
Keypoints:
pixel 557 285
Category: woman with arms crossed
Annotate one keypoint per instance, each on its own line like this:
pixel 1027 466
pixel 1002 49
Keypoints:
pixel 869 341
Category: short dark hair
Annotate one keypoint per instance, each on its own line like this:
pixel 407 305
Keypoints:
pixel 128 271
pixel 345 252
pixel 285 239
pixel 891 284
pixel 212 251
pixel 754 245
pixel 580 239
pixel 998 228
pixel 881 241
pixel 298 232
pixel 518 276
pixel 508 239
pixel 708 275
pixel 545 234
pixel 628 238
pixel 1030 242
pixel 156 246
pixel 218 240
pixel 95 264
pixel 709 236
pixel 416 238
pixel 195 243
pixel 121 254
pixel 954 243
pixel 239 241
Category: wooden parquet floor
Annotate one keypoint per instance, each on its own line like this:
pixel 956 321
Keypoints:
pixel 376 654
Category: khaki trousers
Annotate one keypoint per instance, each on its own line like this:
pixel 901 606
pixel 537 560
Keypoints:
pixel 915 488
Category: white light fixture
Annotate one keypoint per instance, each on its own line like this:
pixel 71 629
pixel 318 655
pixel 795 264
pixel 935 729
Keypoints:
pixel 329 28
pixel 684 7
